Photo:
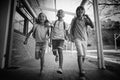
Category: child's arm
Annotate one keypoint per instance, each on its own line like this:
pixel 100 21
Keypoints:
pixel 27 36
pixel 66 31
pixel 72 29
pixel 50 36
pixel 89 21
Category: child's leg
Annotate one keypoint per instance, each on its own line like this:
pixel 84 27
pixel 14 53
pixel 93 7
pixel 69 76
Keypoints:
pixel 37 51
pixel 84 48
pixel 55 52
pixel 42 53
pixel 37 55
pixel 60 60
pixel 60 52
pixel 80 54
pixel 80 62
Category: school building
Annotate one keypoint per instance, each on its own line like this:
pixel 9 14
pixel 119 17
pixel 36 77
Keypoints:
pixel 17 61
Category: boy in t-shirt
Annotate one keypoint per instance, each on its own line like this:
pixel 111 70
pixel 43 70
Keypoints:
pixel 78 31
pixel 58 34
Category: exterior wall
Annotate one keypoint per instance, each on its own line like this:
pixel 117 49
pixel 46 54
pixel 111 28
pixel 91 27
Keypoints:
pixel 21 52
pixel 4 23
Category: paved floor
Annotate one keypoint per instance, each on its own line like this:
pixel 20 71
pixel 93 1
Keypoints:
pixel 29 70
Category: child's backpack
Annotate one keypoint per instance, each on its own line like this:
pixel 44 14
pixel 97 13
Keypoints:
pixel 65 34
pixel 63 24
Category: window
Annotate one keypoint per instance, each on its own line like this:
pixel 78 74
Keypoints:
pixel 23 21
pixel 19 22
pixel 30 25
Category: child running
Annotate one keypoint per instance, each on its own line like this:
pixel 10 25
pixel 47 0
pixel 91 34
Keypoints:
pixel 58 35
pixel 40 33
pixel 79 35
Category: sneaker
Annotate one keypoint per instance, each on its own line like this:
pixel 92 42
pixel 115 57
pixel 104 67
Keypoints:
pixel 59 71
pixel 83 72
pixel 41 71
pixel 82 75
pixel 82 78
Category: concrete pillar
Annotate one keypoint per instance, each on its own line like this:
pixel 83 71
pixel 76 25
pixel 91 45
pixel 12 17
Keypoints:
pixel 5 29
pixel 100 55
pixel 55 2
pixel 4 22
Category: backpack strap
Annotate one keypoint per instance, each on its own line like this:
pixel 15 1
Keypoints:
pixel 55 23
pixel 65 33
pixel 34 32
pixel 48 32
pixel 63 24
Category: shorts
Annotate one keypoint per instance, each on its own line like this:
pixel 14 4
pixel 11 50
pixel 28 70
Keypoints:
pixel 81 47
pixel 57 44
pixel 40 49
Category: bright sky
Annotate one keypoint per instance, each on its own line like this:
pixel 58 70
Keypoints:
pixel 69 6
pixel 66 5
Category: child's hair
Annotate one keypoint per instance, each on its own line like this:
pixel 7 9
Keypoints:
pixel 80 8
pixel 60 10
pixel 37 19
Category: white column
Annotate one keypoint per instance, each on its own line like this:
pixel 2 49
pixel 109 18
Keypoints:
pixel 100 55
pixel 55 8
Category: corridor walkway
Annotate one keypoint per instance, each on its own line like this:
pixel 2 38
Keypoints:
pixel 29 70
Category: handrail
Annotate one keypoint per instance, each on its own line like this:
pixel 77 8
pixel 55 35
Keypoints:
pixel 115 39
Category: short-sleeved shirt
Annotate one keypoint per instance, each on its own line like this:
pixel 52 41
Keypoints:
pixel 58 31
pixel 40 33
pixel 80 30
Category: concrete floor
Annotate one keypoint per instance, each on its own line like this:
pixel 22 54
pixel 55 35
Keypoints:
pixel 29 70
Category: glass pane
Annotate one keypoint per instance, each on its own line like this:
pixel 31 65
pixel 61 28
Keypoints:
pixel 30 25
pixel 27 14
pixel 18 22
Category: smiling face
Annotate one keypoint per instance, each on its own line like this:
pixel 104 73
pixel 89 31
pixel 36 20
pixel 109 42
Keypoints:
pixel 42 17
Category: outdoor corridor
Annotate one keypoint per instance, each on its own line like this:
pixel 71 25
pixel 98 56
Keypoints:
pixel 29 69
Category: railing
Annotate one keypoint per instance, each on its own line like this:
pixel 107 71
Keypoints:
pixel 116 36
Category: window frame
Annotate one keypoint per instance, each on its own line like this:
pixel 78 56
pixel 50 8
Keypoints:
pixel 26 19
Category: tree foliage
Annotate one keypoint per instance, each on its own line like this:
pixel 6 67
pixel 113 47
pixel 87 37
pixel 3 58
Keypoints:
pixel 107 8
